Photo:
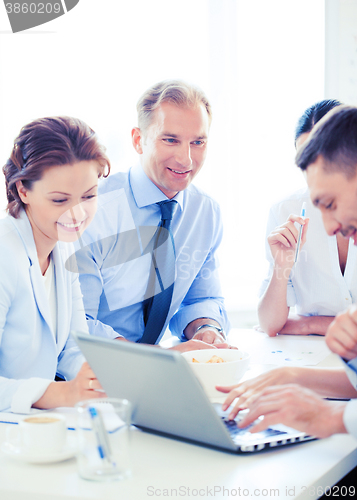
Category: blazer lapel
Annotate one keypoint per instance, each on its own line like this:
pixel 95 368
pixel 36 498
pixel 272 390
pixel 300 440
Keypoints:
pixel 39 292
pixel 24 229
pixel 63 297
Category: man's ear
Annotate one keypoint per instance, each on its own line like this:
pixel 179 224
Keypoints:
pixel 137 138
pixel 22 192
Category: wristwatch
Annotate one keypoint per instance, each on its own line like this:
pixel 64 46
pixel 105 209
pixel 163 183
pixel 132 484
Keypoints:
pixel 208 325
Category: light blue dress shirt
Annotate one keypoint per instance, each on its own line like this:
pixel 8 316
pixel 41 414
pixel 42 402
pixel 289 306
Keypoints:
pixel 114 268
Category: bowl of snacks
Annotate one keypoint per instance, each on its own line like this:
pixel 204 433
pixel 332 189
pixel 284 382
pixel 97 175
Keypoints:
pixel 217 367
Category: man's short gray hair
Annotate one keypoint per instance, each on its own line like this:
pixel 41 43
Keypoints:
pixel 178 92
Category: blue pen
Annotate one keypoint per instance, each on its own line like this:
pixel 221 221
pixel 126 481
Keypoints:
pixel 303 211
pixel 97 432
pixel 103 444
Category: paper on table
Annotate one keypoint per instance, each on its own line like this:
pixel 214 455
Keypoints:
pixel 15 418
pixel 285 351
pixel 69 413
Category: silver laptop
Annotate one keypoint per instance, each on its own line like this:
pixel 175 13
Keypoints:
pixel 168 399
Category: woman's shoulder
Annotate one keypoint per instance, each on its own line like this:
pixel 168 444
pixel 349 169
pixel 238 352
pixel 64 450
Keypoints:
pixel 12 249
pixel 8 234
pixel 291 204
pixel 299 195
pixel 13 258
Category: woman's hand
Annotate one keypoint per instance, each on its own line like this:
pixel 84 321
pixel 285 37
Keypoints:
pixel 283 240
pixel 84 386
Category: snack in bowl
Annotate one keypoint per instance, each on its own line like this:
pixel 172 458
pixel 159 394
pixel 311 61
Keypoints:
pixel 214 359
pixel 217 367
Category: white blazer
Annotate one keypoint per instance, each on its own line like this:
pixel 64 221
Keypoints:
pixel 31 353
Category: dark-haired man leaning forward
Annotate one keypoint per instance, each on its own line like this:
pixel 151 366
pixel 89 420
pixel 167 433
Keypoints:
pixel 116 262
pixel 329 160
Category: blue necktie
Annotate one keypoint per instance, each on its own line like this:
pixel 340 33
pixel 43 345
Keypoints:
pixel 157 306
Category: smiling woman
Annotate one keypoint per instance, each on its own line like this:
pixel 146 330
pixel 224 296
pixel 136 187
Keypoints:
pixel 51 183
pixel 60 205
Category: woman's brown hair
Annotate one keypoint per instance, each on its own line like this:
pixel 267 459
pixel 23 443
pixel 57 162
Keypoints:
pixel 45 143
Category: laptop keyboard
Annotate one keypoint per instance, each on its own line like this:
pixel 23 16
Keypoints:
pixel 240 434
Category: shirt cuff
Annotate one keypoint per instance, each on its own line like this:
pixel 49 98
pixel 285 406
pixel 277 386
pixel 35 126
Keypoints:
pixel 352 364
pixel 207 309
pixel 350 417
pixel 351 371
pixel 28 392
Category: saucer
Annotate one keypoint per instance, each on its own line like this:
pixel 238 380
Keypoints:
pixel 17 453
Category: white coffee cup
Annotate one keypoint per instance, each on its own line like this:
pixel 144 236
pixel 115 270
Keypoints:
pixel 41 434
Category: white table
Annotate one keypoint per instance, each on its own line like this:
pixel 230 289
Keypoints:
pixel 161 464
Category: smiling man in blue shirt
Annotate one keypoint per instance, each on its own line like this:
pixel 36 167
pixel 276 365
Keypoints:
pixel 171 139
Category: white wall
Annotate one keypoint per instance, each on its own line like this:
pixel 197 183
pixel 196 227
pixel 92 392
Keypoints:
pixel 261 63
pixel 341 50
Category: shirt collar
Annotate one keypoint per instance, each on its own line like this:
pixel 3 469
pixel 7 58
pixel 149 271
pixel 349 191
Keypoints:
pixel 144 190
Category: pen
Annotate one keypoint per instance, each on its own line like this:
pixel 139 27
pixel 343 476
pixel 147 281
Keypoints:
pixel 303 211
pixel 101 435
pixel 104 437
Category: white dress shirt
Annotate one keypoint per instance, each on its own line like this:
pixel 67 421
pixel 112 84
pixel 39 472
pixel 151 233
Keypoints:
pixel 316 284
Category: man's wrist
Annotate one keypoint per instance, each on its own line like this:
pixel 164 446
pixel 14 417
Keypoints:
pixel 192 327
pixel 210 326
